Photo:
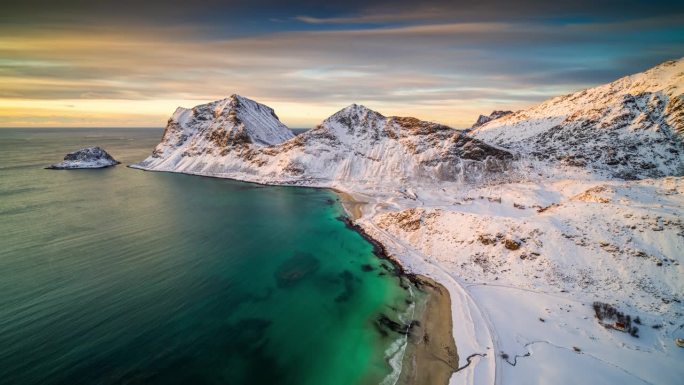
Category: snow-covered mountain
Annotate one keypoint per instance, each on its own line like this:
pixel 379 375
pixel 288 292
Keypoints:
pixel 216 129
pixel 631 128
pixel 355 144
pixel 496 114
pixel 361 145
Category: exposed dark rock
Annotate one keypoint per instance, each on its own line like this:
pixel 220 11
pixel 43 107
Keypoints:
pixel 511 244
pixel 378 249
pixel 385 324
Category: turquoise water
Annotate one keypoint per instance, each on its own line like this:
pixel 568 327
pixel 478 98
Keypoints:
pixel 119 276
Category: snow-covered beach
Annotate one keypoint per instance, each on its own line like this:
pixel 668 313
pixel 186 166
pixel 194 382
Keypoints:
pixel 525 315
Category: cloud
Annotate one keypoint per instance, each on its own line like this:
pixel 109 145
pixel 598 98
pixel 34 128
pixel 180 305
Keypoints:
pixel 445 71
pixel 236 17
pixel 436 11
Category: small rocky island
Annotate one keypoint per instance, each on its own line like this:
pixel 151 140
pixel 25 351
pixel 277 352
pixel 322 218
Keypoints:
pixel 89 157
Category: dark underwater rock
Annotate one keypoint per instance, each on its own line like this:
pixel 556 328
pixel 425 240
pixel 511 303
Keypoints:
pixel 296 268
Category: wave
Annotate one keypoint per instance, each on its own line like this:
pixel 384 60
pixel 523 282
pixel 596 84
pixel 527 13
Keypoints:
pixel 395 352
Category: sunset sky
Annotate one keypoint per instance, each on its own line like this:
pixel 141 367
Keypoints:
pixel 131 63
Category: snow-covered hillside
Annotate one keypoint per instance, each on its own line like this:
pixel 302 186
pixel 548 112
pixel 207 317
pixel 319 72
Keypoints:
pixel 355 144
pixel 630 128
pixel 525 262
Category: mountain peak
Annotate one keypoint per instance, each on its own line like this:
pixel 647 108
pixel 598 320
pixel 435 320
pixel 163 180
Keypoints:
pixel 239 98
pixel 496 114
pixel 235 101
pixel 356 110
pixel 355 118
pixel 221 126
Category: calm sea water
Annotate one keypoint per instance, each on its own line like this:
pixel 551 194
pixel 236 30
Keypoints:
pixel 119 276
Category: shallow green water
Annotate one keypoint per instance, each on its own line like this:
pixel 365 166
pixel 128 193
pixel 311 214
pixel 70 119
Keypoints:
pixel 119 276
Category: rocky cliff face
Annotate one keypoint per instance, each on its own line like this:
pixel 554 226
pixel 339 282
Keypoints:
pixel 630 128
pixel 355 145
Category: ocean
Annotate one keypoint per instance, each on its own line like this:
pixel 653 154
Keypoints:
pixel 120 276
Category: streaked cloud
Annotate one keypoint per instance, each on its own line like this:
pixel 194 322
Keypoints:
pixel 430 63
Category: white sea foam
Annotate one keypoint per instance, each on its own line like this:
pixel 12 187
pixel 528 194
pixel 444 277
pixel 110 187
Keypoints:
pixel 395 352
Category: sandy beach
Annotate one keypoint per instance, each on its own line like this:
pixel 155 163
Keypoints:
pixel 431 355
pixel 353 206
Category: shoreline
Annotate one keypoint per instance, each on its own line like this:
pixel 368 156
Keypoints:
pixel 431 356
pixel 351 205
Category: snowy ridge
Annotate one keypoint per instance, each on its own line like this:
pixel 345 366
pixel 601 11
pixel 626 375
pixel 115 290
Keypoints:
pixel 482 119
pixel 630 128
pixel 358 144
pixel 355 144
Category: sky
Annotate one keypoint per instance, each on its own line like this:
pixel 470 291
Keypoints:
pixel 130 63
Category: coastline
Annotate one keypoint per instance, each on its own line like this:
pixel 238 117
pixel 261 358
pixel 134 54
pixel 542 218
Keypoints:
pixel 486 318
pixel 352 205
pixel 459 305
pixel 431 356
